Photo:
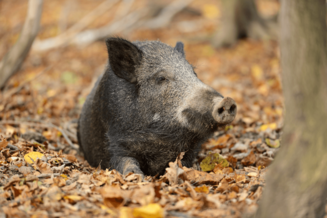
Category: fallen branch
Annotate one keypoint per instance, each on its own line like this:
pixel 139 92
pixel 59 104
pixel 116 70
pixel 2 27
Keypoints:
pixel 13 60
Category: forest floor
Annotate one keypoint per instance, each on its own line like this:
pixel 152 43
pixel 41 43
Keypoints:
pixel 40 106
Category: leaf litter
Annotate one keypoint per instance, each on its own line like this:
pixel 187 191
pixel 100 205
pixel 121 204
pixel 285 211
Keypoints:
pixel 42 173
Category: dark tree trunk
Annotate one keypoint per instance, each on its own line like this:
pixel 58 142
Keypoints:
pixel 297 180
pixel 241 19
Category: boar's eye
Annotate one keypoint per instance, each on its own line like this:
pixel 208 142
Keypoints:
pixel 161 79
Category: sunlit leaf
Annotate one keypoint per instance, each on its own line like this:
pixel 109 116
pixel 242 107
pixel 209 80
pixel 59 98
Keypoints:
pixel 202 189
pixel 268 126
pixel 32 156
pixel 209 163
pixel 210 11
pixel 272 143
pixel 149 211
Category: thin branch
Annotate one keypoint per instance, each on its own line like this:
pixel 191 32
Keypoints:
pixel 167 14
pixel 124 21
pixel 68 35
pixel 13 60
pixel 17 89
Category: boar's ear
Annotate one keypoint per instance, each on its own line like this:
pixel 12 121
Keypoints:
pixel 180 48
pixel 124 57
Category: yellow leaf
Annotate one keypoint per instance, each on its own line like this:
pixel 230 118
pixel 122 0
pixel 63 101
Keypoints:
pixel 32 156
pixel 149 211
pixel 74 197
pixel 257 72
pixel 270 126
pixel 263 89
pixel 126 212
pixel 202 189
pixel 51 93
pixel 103 207
pixel 64 176
pixel 210 11
pixel 272 143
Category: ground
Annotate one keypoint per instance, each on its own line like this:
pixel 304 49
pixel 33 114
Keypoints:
pixel 40 106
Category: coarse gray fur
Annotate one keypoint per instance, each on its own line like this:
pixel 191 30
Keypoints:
pixel 140 117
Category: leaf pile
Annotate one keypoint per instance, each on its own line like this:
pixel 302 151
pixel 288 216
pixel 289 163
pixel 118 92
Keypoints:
pixel 42 173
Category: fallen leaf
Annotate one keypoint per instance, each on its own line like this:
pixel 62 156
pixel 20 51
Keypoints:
pixel 200 177
pixel 271 126
pixel 253 174
pixel 42 166
pixel 32 156
pixel 25 170
pixel 54 193
pixel 174 171
pixel 111 212
pixel 210 11
pixel 209 163
pixel 149 211
pixel 272 143
pixel 249 160
pixel 112 197
pixel 73 198
pixel 231 195
pixel 202 189
pixel 257 72
pixel 3 144
pixel 223 185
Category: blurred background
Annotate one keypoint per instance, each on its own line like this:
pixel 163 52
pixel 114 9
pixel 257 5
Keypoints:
pixel 232 44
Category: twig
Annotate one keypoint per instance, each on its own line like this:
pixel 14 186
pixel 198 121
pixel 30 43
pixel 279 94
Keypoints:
pixel 44 125
pixel 17 89
pixel 126 22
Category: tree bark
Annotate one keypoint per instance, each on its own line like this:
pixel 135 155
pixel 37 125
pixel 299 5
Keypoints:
pixel 13 60
pixel 241 19
pixel 297 180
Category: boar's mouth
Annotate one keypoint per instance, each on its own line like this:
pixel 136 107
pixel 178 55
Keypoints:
pixel 200 122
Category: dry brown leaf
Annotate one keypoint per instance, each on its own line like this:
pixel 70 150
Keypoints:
pixel 232 195
pixel 54 193
pixel 202 189
pixel 249 160
pixel 25 170
pixel 199 177
pixel 143 195
pixel 113 197
pixel 12 180
pixel 223 186
pixel 42 166
pixel 3 144
pixel 174 171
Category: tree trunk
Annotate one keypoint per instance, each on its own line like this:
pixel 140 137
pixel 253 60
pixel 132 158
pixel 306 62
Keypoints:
pixel 13 60
pixel 297 180
pixel 241 19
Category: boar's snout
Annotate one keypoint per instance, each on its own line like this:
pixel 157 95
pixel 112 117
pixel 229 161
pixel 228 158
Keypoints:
pixel 224 111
